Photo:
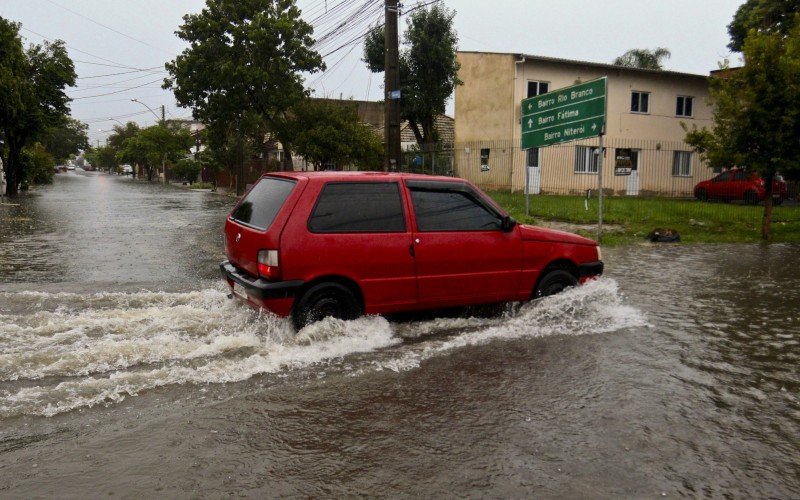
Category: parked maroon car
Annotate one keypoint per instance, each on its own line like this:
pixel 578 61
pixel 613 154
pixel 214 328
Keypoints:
pixel 740 184
pixel 342 244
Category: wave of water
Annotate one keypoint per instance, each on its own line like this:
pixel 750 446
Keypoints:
pixel 63 351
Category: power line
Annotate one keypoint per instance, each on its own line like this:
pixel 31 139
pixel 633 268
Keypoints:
pixel 120 73
pixel 115 84
pixel 79 50
pixel 117 91
pixel 104 26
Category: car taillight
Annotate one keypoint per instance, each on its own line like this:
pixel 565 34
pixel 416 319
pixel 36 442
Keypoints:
pixel 268 265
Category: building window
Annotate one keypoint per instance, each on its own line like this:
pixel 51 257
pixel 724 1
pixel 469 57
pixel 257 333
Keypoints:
pixel 538 88
pixel 683 106
pixel 682 164
pixel 586 159
pixel 640 102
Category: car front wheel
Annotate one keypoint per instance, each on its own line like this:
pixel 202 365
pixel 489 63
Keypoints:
pixel 701 195
pixel 554 282
pixel 325 300
pixel 750 198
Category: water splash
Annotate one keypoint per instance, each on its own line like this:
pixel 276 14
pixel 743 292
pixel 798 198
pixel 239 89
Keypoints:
pixel 82 350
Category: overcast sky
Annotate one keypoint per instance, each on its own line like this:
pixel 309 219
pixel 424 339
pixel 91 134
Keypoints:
pixel 120 36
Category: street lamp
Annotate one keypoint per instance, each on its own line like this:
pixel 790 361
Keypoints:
pixel 148 107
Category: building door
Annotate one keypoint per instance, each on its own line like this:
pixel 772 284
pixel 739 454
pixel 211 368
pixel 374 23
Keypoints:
pixel 633 179
pixel 534 172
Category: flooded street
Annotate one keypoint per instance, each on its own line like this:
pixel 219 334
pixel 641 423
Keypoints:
pixel 126 371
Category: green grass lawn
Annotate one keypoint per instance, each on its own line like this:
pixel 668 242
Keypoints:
pixel 630 219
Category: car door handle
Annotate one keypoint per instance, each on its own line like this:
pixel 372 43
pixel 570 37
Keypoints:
pixel 411 250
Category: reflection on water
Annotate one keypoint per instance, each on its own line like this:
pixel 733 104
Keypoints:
pixel 105 228
pixel 674 375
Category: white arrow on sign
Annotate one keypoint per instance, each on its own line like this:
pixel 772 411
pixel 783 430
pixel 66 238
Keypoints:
pixel 594 126
pixel 530 106
pixel 530 122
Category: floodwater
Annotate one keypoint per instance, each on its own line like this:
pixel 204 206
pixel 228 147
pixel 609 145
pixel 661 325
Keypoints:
pixel 126 371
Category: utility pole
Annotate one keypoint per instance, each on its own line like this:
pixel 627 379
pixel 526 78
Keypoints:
pixel 392 88
pixel 163 116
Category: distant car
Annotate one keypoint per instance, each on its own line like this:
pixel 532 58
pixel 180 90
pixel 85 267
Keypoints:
pixel 71 167
pixel 740 184
pixel 127 169
pixel 342 244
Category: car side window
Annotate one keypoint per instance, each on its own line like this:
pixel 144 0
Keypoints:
pixel 443 210
pixel 740 175
pixel 722 177
pixel 358 207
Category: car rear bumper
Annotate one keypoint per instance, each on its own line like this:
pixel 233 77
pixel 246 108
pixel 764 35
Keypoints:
pixel 259 288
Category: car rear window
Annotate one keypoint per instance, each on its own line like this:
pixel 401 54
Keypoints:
pixel 362 207
pixel 259 208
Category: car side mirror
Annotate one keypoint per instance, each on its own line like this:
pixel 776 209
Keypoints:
pixel 507 224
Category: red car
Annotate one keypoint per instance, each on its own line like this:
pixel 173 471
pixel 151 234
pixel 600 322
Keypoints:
pixel 342 244
pixel 740 184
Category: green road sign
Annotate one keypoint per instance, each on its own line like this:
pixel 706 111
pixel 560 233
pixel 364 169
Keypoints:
pixel 566 114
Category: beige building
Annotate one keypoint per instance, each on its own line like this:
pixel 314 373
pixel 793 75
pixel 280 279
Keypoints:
pixel 645 110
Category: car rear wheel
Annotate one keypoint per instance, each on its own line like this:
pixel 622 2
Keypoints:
pixel 701 194
pixel 325 300
pixel 750 198
pixel 554 282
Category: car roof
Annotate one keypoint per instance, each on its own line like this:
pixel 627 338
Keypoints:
pixel 361 176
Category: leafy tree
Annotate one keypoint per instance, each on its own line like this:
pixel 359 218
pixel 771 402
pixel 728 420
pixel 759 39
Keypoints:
pixel 38 164
pixel 428 68
pixel 764 16
pixel 66 138
pixel 104 158
pixel 116 143
pixel 186 169
pixel 244 58
pixel 757 112
pixel 32 94
pixel 643 58
pixel 156 145
pixel 329 134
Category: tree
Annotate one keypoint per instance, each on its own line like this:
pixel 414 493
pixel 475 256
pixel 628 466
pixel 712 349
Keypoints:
pixel 104 158
pixel 156 145
pixel 244 58
pixel 38 164
pixel 643 58
pixel 428 68
pixel 66 138
pixel 764 16
pixel 32 94
pixel 757 113
pixel 329 134
pixel 187 169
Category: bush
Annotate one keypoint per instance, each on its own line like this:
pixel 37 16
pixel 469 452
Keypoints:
pixel 186 170
pixel 37 164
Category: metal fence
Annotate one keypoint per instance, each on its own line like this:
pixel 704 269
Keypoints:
pixel 630 167
pixel 643 181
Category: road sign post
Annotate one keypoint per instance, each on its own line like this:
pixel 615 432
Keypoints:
pixel 568 114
